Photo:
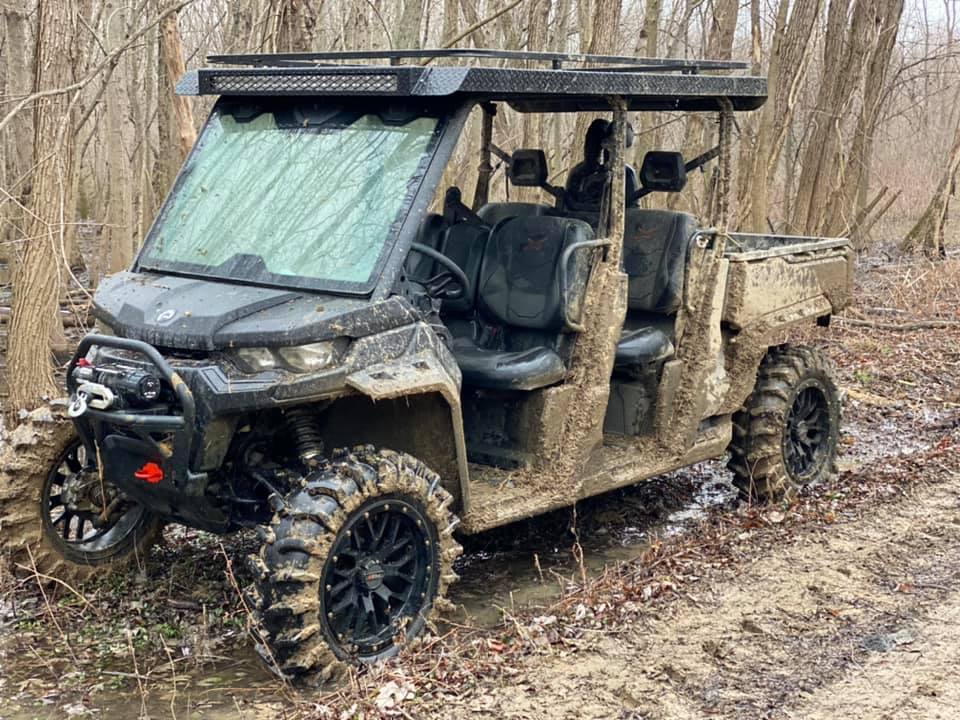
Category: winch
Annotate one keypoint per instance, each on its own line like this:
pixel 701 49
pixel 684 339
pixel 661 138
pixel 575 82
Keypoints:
pixel 113 386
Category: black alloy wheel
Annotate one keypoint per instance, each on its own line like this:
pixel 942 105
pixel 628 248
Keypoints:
pixel 379 576
pixel 354 565
pixel 787 434
pixel 807 431
pixel 84 516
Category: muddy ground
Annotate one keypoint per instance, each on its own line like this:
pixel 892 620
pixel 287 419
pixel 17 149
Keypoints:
pixel 669 600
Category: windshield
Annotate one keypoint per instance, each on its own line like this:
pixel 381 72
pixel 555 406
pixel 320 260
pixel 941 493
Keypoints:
pixel 305 196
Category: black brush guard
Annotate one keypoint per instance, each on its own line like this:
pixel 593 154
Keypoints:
pixel 125 440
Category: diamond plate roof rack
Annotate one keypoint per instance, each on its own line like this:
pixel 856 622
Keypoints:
pixel 645 83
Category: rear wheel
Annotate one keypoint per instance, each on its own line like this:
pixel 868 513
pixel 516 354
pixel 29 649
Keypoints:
pixel 786 435
pixel 354 564
pixel 56 512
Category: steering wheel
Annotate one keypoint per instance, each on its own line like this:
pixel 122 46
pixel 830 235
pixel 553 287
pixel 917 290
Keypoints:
pixel 451 283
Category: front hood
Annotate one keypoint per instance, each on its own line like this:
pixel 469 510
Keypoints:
pixel 191 314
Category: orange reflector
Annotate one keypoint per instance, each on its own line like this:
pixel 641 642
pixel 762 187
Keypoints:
pixel 150 472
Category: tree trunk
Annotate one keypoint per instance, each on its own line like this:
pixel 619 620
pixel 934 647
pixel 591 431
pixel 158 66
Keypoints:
pixel 17 138
pixel 297 26
pixel 451 19
pixel 847 48
pixel 34 315
pixel 116 246
pixel 844 206
pixel 790 52
pixel 144 83
pixel 927 236
pixel 646 136
pixel 407 35
pixel 171 52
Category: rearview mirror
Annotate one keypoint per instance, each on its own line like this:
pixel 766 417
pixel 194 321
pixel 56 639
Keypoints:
pixel 528 168
pixel 663 171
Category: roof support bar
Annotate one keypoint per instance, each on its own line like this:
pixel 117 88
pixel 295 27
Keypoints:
pixel 481 194
pixel 556 60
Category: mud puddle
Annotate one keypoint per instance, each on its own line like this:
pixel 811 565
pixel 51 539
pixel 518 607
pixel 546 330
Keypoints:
pixel 43 683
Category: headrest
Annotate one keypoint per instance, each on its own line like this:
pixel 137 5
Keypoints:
pixel 663 171
pixel 528 168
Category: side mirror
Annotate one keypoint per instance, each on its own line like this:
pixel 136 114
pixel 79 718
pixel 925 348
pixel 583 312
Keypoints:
pixel 528 168
pixel 663 171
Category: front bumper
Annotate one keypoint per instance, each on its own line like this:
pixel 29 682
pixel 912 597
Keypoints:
pixel 125 441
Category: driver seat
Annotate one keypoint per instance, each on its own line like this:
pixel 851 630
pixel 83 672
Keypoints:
pixel 521 302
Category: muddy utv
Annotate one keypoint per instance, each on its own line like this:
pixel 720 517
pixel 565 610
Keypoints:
pixel 320 340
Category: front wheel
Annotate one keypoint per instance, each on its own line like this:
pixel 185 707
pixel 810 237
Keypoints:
pixel 786 435
pixel 354 564
pixel 57 514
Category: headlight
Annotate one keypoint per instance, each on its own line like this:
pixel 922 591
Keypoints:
pixel 256 359
pixel 308 358
pixel 302 358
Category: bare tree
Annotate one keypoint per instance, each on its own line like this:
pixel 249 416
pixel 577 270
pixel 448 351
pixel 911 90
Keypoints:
pixel 791 48
pixel 17 154
pixel 927 235
pixel 171 53
pixel 850 38
pixel 34 316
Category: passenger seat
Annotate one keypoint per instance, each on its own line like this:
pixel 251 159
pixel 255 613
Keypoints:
pixel 519 298
pixel 655 246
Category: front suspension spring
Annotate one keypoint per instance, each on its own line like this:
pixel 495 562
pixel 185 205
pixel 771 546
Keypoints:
pixel 302 424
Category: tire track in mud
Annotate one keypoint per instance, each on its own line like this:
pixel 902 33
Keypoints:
pixel 852 620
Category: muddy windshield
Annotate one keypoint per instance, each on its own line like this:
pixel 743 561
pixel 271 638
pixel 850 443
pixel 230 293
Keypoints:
pixel 305 196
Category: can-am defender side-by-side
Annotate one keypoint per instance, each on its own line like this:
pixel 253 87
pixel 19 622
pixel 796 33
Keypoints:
pixel 302 346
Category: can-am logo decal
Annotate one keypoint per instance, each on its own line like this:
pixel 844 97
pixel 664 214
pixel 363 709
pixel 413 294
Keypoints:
pixel 166 316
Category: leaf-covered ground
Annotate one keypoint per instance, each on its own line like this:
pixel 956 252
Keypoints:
pixel 841 604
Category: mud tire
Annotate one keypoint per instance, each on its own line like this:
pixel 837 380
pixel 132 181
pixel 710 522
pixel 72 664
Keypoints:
pixel 295 639
pixel 26 459
pixel 758 450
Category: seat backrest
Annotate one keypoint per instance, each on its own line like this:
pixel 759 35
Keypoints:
pixel 520 275
pixel 654 258
pixel 492 213
pixel 586 183
pixel 464 243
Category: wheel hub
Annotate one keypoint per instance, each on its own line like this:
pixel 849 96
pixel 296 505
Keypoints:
pixel 78 491
pixel 372 575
